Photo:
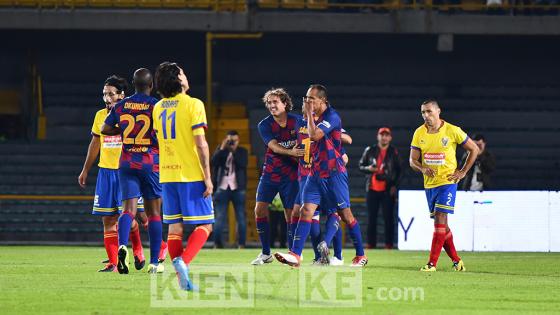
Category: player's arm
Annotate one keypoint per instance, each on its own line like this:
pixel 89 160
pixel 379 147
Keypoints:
pixel 92 153
pixel 345 158
pixel 204 157
pixel 110 130
pixel 472 154
pixel 315 133
pixel 416 165
pixel 345 138
pixel 278 149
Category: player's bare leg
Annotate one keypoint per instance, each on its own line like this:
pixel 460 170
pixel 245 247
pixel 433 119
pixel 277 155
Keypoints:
pixel 153 211
pixel 263 229
pixel 354 230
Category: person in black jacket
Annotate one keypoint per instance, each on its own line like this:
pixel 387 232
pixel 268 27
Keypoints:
pixel 229 175
pixel 478 177
pixel 382 166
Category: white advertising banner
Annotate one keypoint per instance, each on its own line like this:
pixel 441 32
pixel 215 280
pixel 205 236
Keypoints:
pixel 486 221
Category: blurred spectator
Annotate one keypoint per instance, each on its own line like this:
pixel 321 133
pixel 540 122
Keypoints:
pixel 278 229
pixel 478 177
pixel 381 164
pixel 229 175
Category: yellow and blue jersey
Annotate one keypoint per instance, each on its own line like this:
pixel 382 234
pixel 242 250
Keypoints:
pixel 438 151
pixel 111 146
pixel 177 120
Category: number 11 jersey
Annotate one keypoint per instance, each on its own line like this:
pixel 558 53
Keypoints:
pixel 177 120
pixel 140 150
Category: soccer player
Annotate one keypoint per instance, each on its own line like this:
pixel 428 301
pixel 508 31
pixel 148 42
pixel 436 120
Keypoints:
pixel 279 174
pixel 180 123
pixel 328 183
pixel 107 201
pixel 333 230
pixel 432 152
pixel 139 166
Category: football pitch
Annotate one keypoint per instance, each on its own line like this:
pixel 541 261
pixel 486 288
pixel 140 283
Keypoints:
pixel 53 280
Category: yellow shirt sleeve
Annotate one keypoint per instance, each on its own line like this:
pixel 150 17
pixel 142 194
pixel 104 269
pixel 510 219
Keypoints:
pixel 96 128
pixel 459 136
pixel 198 118
pixel 155 117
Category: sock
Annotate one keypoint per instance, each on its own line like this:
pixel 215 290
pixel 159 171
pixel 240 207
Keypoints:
pixel 315 233
pixel 437 243
pixel 263 229
pixel 111 241
pixel 154 231
pixel 162 249
pixel 195 242
pixel 175 245
pixel 337 243
pixel 332 226
pixel 302 231
pixel 136 241
pixel 125 222
pixel 289 234
pixel 292 231
pixel 450 247
pixel 356 235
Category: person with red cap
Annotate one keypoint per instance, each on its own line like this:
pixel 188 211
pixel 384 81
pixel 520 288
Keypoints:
pixel 382 165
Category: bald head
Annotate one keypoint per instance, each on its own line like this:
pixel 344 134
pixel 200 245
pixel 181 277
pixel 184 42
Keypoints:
pixel 142 80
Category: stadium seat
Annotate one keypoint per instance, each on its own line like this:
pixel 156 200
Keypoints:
pixel 9 102
pixel 74 3
pixel 317 4
pixel 26 3
pixel 268 4
pixel 150 3
pixel 293 4
pixel 126 3
pixel 199 4
pixel 101 3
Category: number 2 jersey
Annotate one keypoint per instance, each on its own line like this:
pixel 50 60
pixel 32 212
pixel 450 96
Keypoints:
pixel 140 148
pixel 177 120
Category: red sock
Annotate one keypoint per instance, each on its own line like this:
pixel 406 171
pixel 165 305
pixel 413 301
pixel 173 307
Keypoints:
pixel 175 245
pixel 195 242
pixel 111 241
pixel 137 248
pixel 450 247
pixel 437 243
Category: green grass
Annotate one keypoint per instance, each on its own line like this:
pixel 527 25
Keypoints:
pixel 48 280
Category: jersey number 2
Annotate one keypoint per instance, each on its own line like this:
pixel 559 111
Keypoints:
pixel 139 139
pixel 164 118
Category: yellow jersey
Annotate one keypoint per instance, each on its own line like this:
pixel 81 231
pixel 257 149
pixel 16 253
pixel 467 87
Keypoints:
pixel 176 121
pixel 438 151
pixel 111 146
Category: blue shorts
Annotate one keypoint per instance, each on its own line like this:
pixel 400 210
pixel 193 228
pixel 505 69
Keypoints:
pixel 183 202
pixel 288 190
pixel 139 183
pixel 441 199
pixel 320 210
pixel 107 199
pixel 330 193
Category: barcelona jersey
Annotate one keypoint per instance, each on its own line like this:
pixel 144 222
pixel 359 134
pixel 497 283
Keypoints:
pixel 133 115
pixel 111 146
pixel 327 151
pixel 177 120
pixel 438 150
pixel 276 167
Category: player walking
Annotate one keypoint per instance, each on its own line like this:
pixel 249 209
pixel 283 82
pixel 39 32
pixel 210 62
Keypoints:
pixel 432 152
pixel 180 123
pixel 139 166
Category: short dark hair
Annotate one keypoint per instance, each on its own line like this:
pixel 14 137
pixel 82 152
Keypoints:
pixel 282 95
pixel 430 101
pixel 233 133
pixel 117 82
pixel 321 91
pixel 478 136
pixel 167 79
pixel 142 79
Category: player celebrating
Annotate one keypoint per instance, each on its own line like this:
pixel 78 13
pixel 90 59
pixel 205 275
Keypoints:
pixel 328 183
pixel 180 121
pixel 139 166
pixel 279 174
pixel 432 152
pixel 107 193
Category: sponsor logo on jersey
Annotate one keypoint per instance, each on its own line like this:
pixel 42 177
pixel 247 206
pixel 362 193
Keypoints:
pixel 434 158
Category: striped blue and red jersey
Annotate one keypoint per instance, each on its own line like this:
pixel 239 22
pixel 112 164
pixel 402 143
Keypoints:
pixel 140 148
pixel 327 151
pixel 304 142
pixel 277 167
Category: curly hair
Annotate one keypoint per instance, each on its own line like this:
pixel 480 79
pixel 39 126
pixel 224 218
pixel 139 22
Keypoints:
pixel 282 95
pixel 167 79
pixel 118 83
